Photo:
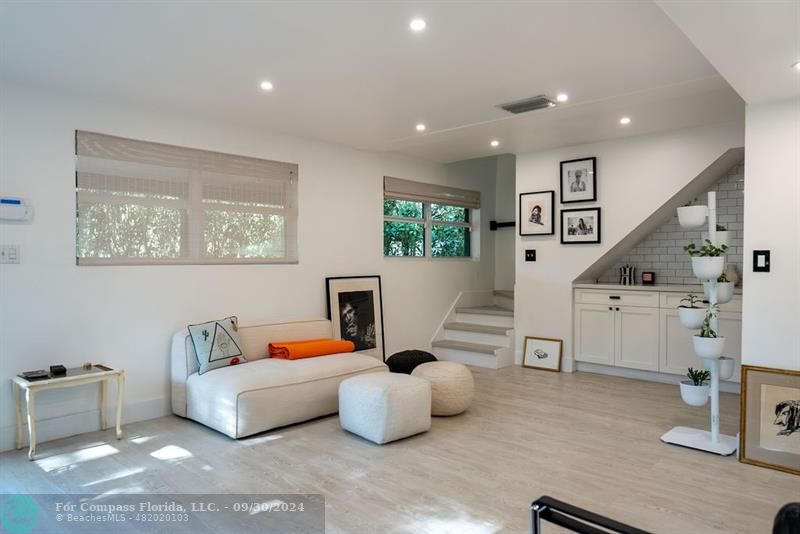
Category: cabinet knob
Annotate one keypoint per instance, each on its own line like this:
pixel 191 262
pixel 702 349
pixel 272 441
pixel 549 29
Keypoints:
pixel 610 308
pixel 617 309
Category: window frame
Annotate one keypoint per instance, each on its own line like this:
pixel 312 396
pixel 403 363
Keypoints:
pixel 428 223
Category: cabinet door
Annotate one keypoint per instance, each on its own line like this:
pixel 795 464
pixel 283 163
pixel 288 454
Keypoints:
pixel 594 333
pixel 637 338
pixel 676 351
pixel 730 326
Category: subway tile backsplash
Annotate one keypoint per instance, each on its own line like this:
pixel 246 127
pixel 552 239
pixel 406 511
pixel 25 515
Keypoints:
pixel 662 251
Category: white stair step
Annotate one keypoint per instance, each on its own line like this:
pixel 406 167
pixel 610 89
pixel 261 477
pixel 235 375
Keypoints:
pixel 507 293
pixel 478 359
pixel 479 328
pixel 487 310
pixel 465 346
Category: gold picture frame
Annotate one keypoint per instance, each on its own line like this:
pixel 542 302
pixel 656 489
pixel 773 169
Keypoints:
pixel 763 446
pixel 539 353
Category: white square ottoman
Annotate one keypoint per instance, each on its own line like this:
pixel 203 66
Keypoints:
pixel 384 407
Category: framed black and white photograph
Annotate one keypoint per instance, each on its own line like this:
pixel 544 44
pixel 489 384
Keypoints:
pixel 580 226
pixel 537 213
pixel 355 309
pixel 542 353
pixel 769 426
pixel 579 180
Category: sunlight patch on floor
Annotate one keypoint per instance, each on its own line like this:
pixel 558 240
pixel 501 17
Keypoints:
pixel 60 461
pixel 116 476
pixel 141 439
pixel 257 441
pixel 171 453
pixel 439 525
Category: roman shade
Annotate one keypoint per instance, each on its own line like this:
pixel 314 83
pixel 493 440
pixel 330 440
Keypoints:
pixel 400 189
pixel 142 202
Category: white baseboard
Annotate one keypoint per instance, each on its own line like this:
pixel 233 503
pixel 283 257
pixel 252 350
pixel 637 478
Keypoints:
pixel 82 422
pixel 651 376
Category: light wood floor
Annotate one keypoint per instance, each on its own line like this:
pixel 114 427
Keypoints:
pixel 588 439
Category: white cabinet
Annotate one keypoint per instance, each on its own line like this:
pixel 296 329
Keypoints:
pixel 641 330
pixel 595 332
pixel 637 338
pixel 625 336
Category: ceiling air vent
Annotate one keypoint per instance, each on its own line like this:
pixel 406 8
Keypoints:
pixel 529 104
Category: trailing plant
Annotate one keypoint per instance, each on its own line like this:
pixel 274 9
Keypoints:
pixel 692 300
pixel 706 330
pixel 698 376
pixel 709 250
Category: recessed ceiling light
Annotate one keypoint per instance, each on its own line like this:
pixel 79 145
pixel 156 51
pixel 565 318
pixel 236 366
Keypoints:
pixel 420 127
pixel 625 120
pixel 562 97
pixel 796 66
pixel 495 143
pixel 267 86
pixel 417 25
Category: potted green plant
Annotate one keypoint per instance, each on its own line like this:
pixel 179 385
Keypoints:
pixel 691 312
pixel 724 289
pixel 695 391
pixel 707 344
pixel 708 260
pixel 723 236
pixel 692 216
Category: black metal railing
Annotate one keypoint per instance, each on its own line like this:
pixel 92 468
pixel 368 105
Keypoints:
pixel 575 519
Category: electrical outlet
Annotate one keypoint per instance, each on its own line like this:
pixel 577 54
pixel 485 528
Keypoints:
pixel 530 254
pixel 9 253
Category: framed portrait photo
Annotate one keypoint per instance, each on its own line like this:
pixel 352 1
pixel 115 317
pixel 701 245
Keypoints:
pixel 580 226
pixel 579 180
pixel 355 308
pixel 769 424
pixel 542 353
pixel 537 213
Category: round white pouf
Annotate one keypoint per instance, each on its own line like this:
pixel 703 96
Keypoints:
pixel 452 387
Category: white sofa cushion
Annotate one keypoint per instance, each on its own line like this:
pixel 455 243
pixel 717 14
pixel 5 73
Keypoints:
pixel 385 407
pixel 259 395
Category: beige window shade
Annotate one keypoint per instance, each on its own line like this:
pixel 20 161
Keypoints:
pixel 149 203
pixel 400 189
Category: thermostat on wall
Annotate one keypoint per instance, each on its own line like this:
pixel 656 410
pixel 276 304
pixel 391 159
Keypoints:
pixel 15 210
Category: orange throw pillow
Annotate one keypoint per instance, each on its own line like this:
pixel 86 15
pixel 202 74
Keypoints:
pixel 297 350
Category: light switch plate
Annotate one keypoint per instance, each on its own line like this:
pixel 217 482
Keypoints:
pixel 761 261
pixel 9 253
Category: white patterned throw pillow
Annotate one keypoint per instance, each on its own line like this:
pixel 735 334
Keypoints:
pixel 217 344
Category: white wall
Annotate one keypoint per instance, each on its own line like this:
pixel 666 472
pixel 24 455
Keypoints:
pixel 771 313
pixel 635 175
pixel 505 211
pixel 54 312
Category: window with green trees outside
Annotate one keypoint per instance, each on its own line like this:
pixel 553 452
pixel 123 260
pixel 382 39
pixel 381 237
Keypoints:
pixel 409 226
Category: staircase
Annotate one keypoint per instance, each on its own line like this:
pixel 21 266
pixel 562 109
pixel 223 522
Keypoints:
pixel 479 330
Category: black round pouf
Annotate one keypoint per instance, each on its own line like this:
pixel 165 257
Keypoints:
pixel 406 361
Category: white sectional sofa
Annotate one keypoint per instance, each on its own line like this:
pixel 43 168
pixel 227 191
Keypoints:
pixel 264 392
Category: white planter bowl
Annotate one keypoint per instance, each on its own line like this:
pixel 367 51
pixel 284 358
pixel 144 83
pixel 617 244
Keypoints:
pixel 694 395
pixel 692 216
pixel 723 238
pixel 724 291
pixel 726 365
pixel 708 347
pixel 708 268
pixel 692 318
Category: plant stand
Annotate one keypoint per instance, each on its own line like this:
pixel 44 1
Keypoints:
pixel 692 437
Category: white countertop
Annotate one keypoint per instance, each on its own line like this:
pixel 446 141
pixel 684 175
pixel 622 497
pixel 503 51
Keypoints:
pixel 698 289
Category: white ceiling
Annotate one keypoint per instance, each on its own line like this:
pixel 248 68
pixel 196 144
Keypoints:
pixel 753 44
pixel 353 73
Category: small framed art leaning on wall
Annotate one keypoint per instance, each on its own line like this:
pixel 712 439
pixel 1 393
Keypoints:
pixel 355 307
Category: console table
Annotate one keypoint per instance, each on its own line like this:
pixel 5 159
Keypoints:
pixel 75 377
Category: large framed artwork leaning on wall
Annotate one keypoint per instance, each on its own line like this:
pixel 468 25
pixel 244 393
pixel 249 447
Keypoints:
pixel 769 424
pixel 355 307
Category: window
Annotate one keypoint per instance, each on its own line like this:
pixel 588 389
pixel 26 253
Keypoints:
pixel 147 203
pixel 427 220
